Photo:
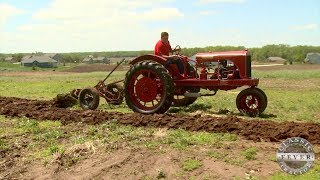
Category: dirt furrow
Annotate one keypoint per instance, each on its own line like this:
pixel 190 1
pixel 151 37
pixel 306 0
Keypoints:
pixel 256 130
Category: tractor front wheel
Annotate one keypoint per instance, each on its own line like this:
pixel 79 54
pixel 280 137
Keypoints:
pixel 149 88
pixel 252 101
pixel 89 99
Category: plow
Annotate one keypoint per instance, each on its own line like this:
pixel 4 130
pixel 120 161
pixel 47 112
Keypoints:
pixel 89 97
pixel 153 84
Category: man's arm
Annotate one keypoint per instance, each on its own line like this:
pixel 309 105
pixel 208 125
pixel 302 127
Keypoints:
pixel 174 50
pixel 173 57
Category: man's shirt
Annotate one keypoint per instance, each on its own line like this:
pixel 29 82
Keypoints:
pixel 162 48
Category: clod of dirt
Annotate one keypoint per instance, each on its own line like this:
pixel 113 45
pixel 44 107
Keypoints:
pixel 74 154
pixel 64 101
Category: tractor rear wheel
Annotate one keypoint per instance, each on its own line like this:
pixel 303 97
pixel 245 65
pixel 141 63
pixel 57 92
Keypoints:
pixel 252 101
pixel 181 100
pixel 89 99
pixel 149 88
pixel 115 93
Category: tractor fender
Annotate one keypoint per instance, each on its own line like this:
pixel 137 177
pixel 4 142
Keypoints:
pixel 149 57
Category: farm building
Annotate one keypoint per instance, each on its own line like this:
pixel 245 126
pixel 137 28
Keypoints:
pixel 40 61
pixel 92 60
pixel 277 60
pixel 88 60
pixel 26 57
pixel 103 60
pixel 118 59
pixel 313 58
pixel 56 56
pixel 10 59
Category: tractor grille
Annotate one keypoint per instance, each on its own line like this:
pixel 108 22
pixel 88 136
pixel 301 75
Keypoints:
pixel 248 65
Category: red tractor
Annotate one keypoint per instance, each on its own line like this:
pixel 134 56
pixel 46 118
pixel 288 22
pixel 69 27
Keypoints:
pixel 152 86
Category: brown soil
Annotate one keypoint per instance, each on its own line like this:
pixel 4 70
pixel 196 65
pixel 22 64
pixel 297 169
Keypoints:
pixel 141 163
pixel 96 67
pixel 256 130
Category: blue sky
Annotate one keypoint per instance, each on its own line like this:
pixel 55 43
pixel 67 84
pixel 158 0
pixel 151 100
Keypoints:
pixel 107 25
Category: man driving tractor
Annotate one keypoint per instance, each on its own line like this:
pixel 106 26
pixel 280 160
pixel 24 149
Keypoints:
pixel 163 48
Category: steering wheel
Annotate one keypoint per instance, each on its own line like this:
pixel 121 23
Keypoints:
pixel 177 50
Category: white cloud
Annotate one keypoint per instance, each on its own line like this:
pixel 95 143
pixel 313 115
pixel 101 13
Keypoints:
pixel 7 11
pixel 102 9
pixel 206 13
pixel 220 1
pixel 95 25
pixel 307 27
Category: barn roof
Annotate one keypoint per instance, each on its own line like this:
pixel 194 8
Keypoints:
pixel 43 59
pixel 275 59
pixel 87 59
pixel 8 58
pixel 26 57
pixel 99 58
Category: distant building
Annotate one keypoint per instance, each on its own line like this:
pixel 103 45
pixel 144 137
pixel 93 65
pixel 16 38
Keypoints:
pixel 40 61
pixel 10 59
pixel 56 56
pixel 103 60
pixel 88 60
pixel 312 58
pixel 118 59
pixel 277 60
pixel 92 60
pixel 26 57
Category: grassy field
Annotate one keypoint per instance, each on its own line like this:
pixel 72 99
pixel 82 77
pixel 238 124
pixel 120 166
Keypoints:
pixel 10 67
pixel 292 94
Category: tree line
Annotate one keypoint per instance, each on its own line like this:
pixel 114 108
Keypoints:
pixel 290 53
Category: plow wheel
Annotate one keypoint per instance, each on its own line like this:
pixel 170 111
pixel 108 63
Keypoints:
pixel 181 100
pixel 252 101
pixel 148 88
pixel 89 99
pixel 115 93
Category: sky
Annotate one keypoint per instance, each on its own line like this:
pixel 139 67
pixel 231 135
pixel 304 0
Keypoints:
pixel 124 25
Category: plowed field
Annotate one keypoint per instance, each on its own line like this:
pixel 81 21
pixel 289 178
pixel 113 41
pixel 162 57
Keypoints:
pixel 256 130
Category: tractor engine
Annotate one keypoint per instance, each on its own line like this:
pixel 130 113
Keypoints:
pixel 212 68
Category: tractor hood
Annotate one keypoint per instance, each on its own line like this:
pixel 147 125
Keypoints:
pixel 214 56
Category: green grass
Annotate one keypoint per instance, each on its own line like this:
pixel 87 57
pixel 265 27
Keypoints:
pixel 250 153
pixel 48 86
pixel 3 144
pixel 298 99
pixel 312 174
pixel 190 164
pixel 181 139
pixel 216 154
pixel 28 125
pixel 292 95
pixel 10 67
pixel 234 161
pixel 288 74
pixel 44 136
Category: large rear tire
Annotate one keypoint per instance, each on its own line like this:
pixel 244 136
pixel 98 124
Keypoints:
pixel 89 99
pixel 252 102
pixel 149 88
